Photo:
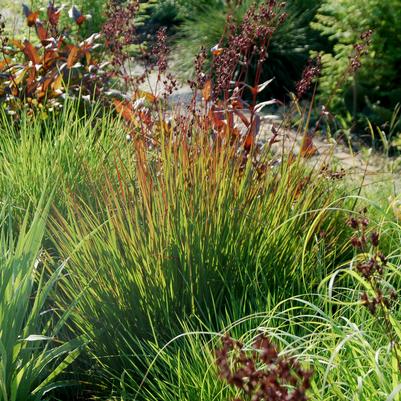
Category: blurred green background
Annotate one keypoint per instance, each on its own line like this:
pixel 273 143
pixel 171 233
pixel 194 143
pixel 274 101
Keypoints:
pixel 325 27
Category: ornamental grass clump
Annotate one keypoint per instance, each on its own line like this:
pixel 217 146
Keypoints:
pixel 351 348
pixel 187 227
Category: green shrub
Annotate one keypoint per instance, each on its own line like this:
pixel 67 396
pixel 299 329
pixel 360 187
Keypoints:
pixel 375 90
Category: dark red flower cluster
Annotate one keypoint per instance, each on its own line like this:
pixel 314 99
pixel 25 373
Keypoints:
pixel 119 29
pixel 310 73
pixel 160 53
pixel 246 41
pixel 262 374
pixel 120 32
pixel 160 50
pixel 200 76
pixel 359 225
pixel 371 268
pixel 360 49
pixel 375 264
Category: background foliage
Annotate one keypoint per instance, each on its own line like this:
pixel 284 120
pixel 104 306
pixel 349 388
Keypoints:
pixel 376 89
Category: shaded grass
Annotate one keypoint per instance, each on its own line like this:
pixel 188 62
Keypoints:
pixel 337 337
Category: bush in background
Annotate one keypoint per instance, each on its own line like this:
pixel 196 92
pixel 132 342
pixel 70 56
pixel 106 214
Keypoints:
pixel 374 92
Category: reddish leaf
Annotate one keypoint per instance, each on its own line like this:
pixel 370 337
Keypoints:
pixel 18 43
pixel 60 42
pixel 230 119
pixel 4 64
pixel 216 50
pixel 14 91
pixel 308 149
pixel 49 57
pixel 125 109
pixel 88 58
pixel 252 133
pixel 53 14
pixel 73 56
pixel 150 97
pixel 249 141
pixel 77 16
pixel 217 116
pixel 238 103
pixel 207 91
pixel 19 76
pixel 41 32
pixel 30 52
pixel 230 129
pixel 145 117
pixel 31 81
pixel 48 81
pixel 58 82
pixel 31 18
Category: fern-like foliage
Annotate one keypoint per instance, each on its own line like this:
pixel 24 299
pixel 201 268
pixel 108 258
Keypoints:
pixel 376 88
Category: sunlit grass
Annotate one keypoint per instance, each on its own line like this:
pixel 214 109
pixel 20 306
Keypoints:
pixel 72 148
